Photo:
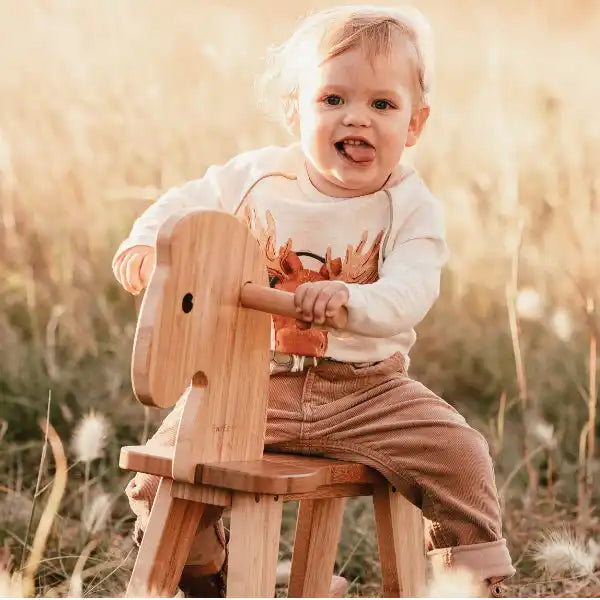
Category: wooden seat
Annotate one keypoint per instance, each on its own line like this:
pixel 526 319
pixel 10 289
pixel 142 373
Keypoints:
pixel 273 474
pixel 204 331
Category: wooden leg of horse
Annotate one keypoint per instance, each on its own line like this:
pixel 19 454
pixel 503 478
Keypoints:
pixel 165 545
pixel 315 546
pixel 253 545
pixel 401 544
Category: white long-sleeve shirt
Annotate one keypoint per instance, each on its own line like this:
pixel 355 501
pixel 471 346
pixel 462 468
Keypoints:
pixel 387 246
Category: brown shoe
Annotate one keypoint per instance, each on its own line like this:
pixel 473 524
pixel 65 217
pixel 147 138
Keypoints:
pixel 195 582
pixel 198 584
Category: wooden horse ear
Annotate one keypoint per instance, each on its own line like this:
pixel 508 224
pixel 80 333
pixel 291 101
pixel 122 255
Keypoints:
pixel 191 312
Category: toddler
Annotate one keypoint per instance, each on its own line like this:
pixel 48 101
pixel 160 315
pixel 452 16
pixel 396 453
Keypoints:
pixel 343 222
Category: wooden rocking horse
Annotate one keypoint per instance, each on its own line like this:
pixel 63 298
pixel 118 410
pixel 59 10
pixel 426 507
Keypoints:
pixel 204 327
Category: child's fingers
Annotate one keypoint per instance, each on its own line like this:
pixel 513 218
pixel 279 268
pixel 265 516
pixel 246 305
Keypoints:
pixel 320 305
pixel 123 271
pixel 336 313
pixel 133 271
pixel 120 267
pixel 339 299
pixel 308 301
pixel 301 301
pixel 124 277
pixel 126 270
pixel 116 267
pixel 299 297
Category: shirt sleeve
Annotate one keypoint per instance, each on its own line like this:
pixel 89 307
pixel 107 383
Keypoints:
pixel 409 279
pixel 217 190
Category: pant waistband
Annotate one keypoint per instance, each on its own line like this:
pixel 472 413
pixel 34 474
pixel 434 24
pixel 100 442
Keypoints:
pixel 281 362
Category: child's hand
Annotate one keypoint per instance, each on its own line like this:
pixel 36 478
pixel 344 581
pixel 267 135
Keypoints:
pixel 322 300
pixel 134 267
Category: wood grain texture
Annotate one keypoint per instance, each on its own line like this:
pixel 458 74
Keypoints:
pixel 264 476
pixel 340 490
pixel 401 544
pixel 275 473
pixel 285 474
pixel 166 544
pixel 205 494
pixel 155 460
pixel 253 546
pixel 315 546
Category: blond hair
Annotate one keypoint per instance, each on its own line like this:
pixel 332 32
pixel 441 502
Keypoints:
pixel 329 33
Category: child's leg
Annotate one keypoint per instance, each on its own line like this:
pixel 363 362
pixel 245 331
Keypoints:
pixel 379 416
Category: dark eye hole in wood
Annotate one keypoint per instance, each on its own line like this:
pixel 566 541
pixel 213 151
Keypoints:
pixel 187 303
pixel 199 379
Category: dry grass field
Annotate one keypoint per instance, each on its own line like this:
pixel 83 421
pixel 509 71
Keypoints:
pixel 103 105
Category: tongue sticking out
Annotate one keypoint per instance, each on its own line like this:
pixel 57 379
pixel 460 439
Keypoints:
pixel 360 152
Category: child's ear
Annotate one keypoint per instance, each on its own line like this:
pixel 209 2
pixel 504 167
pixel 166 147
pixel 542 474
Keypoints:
pixel 415 127
pixel 291 117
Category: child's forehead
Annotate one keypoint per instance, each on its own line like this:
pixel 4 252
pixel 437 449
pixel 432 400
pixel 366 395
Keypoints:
pixel 359 69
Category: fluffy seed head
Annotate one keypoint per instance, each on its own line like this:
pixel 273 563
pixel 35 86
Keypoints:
pixel 562 324
pixel 543 432
pixel 560 553
pixel 528 304
pixel 89 438
pixel 97 513
pixel 11 585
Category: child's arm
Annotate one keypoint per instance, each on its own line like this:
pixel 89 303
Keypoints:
pixel 221 188
pixel 134 260
pixel 409 279
pixel 408 285
pixel 200 193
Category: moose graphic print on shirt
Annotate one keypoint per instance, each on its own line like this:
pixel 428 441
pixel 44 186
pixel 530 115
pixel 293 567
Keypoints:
pixel 287 270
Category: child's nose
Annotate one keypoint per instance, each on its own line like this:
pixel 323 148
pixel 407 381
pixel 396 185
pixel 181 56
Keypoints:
pixel 356 117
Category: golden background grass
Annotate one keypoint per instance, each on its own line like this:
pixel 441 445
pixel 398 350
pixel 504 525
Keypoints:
pixel 104 105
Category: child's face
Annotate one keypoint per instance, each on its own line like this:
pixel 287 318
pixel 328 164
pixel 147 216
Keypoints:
pixel 355 117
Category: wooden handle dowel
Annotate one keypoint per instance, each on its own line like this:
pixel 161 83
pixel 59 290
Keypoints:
pixel 279 302
pixel 265 299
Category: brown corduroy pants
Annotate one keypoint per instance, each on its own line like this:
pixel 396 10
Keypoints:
pixel 377 415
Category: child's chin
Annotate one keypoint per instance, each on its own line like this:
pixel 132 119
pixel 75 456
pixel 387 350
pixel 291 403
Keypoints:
pixel 357 183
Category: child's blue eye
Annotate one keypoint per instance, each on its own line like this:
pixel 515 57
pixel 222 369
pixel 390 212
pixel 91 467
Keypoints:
pixel 333 100
pixel 381 104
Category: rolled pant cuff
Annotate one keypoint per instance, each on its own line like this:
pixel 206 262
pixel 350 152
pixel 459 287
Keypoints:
pixel 484 560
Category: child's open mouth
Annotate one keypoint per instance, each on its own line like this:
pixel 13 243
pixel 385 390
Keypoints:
pixel 356 150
